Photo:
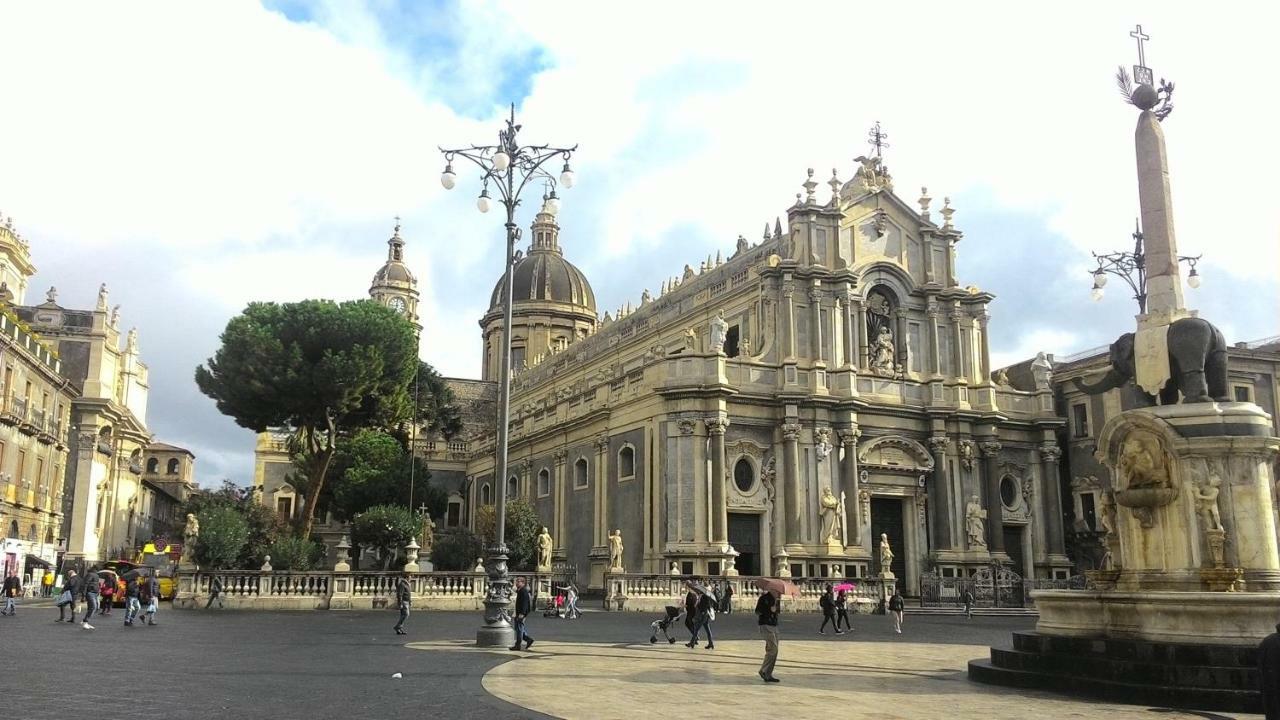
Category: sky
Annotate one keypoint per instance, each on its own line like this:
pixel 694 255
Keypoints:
pixel 199 156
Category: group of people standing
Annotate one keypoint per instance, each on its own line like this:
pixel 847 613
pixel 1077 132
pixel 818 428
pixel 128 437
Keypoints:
pixel 97 594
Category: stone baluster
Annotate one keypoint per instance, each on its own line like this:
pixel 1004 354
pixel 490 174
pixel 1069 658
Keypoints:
pixel 995 506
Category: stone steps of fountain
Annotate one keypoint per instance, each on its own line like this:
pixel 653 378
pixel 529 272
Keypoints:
pixel 1132 671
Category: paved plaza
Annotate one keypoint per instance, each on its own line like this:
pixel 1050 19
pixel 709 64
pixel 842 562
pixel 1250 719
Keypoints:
pixel 340 665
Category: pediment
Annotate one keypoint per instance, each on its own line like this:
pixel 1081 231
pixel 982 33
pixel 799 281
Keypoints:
pixel 894 452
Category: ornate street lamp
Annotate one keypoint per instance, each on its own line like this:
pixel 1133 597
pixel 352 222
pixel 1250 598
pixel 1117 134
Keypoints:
pixel 508 167
pixel 1132 268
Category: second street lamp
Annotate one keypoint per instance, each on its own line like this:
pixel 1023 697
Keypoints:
pixel 1132 268
pixel 510 167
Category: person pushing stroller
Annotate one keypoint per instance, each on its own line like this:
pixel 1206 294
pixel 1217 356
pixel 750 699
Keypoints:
pixel 663 624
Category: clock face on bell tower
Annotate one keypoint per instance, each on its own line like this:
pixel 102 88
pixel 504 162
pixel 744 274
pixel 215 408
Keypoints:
pixel 397 304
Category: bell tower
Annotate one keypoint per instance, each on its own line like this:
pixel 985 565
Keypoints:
pixel 393 285
pixel 15 264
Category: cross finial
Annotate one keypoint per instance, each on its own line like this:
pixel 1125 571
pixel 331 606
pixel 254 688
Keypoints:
pixel 1138 35
pixel 397 224
pixel 877 138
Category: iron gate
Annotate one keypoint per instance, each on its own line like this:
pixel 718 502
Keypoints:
pixel 992 586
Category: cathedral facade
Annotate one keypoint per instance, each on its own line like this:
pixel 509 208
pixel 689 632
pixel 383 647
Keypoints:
pixel 780 412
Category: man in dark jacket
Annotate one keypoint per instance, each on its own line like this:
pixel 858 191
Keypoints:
pixel 90 597
pixel 71 590
pixel 690 614
pixel 702 622
pixel 404 594
pixel 215 592
pixel 1269 674
pixel 12 591
pixel 767 612
pixel 131 603
pixel 896 606
pixel 726 599
pixel 524 606
pixel 828 604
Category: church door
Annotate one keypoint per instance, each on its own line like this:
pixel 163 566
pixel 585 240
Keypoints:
pixel 744 536
pixel 886 517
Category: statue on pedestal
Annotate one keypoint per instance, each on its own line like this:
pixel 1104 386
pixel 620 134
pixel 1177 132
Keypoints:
pixel 974 523
pixel 615 550
pixel 675 569
pixel 719 331
pixel 1207 501
pixel 883 353
pixel 544 550
pixel 189 537
pixel 829 507
pixel 886 556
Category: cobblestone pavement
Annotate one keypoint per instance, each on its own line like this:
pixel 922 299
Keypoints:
pixel 339 665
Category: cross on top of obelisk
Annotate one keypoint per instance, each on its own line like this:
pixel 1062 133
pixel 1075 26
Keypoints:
pixel 1141 73
pixel 877 138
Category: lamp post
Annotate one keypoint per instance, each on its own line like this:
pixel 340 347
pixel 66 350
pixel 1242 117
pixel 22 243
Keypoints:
pixel 1132 268
pixel 508 167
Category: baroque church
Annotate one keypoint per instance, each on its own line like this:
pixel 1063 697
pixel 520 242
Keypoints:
pixel 777 412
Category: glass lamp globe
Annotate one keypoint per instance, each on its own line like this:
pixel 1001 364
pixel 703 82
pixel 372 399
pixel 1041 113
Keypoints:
pixel 1193 280
pixel 1099 280
pixel 482 202
pixel 552 204
pixel 1096 294
pixel 566 176
pixel 447 178
pixel 501 160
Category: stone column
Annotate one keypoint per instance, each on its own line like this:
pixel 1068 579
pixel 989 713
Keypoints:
pixel 1164 289
pixel 941 494
pixel 995 507
pixel 860 358
pixel 849 483
pixel 850 332
pixel 1049 455
pixel 957 345
pixel 602 489
pixel 719 509
pixel 839 358
pixel 561 498
pixel 789 319
pixel 701 490
pixel 815 306
pixel 791 480
pixel 900 334
pixel 984 372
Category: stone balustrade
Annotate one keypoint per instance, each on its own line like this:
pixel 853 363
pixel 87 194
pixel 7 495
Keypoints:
pixel 652 593
pixel 333 590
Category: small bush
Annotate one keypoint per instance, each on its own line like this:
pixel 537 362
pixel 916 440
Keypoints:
pixel 223 534
pixel 456 549
pixel 294 553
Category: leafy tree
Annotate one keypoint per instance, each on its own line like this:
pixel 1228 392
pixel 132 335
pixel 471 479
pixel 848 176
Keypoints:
pixel 456 549
pixel 438 410
pixel 373 468
pixel 290 552
pixel 318 367
pixel 223 534
pixel 520 534
pixel 387 528
pixel 264 525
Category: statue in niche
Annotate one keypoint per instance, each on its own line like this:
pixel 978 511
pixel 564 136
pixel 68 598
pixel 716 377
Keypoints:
pixel 829 507
pixel 767 475
pixel 1207 501
pixel 975 522
pixel 719 332
pixel 883 352
pixel 1142 462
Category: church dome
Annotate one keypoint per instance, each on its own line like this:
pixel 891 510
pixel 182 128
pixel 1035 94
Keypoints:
pixel 544 276
pixel 394 270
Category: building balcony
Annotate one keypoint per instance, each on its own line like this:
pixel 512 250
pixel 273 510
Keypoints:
pixel 23 412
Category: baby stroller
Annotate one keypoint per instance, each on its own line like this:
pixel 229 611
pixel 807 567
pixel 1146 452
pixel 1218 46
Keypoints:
pixel 673 614
pixel 555 606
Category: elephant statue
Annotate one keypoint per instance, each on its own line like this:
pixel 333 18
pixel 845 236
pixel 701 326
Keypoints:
pixel 1197 365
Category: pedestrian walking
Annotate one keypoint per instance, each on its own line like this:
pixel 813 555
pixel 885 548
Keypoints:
pixel 149 595
pixel 107 591
pixel 571 603
pixel 404 595
pixel 524 606
pixel 690 614
pixel 966 597
pixel 828 604
pixel 726 600
pixel 896 606
pixel 131 604
pixel 1269 674
pixel 215 592
pixel 12 591
pixel 705 610
pixel 842 611
pixel 71 591
pixel 767 614
pixel 90 597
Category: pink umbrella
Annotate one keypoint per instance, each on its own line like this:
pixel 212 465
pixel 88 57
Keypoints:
pixel 782 587
pixel 846 587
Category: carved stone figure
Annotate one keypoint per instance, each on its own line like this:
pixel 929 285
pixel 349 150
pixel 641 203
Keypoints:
pixel 1143 464
pixel 1108 512
pixel 102 297
pixel 975 522
pixel 1001 378
pixel 1207 501
pixel 190 534
pixel 131 341
pixel 690 339
pixel 615 549
pixel 52 295
pixel 767 475
pixel 742 246
pixel 886 555
pixel 1196 352
pixel 829 507
pixel 822 443
pixel 645 297
pixel 675 569
pixel 882 357
pixel 745 343
pixel 688 273
pixel 544 550
pixel 966 454
pixel 719 331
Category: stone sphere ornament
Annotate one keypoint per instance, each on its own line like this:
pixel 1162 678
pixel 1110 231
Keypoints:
pixel 1144 97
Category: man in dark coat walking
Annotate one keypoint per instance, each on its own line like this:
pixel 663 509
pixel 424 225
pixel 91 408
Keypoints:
pixel 690 614
pixel 524 606
pixel 1269 674
pixel 404 595
pixel 71 591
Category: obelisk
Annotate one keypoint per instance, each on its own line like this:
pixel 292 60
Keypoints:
pixel 1164 282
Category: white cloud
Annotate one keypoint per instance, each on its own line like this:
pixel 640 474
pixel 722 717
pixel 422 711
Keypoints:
pixel 268 156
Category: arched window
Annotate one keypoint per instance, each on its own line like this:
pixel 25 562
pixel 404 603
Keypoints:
pixel 32 533
pixel 513 487
pixel 626 463
pixel 153 465
pixel 580 473
pixel 13 528
pixel 173 466
pixel 744 475
pixel 544 482
pixel 486 495
pixel 48 536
